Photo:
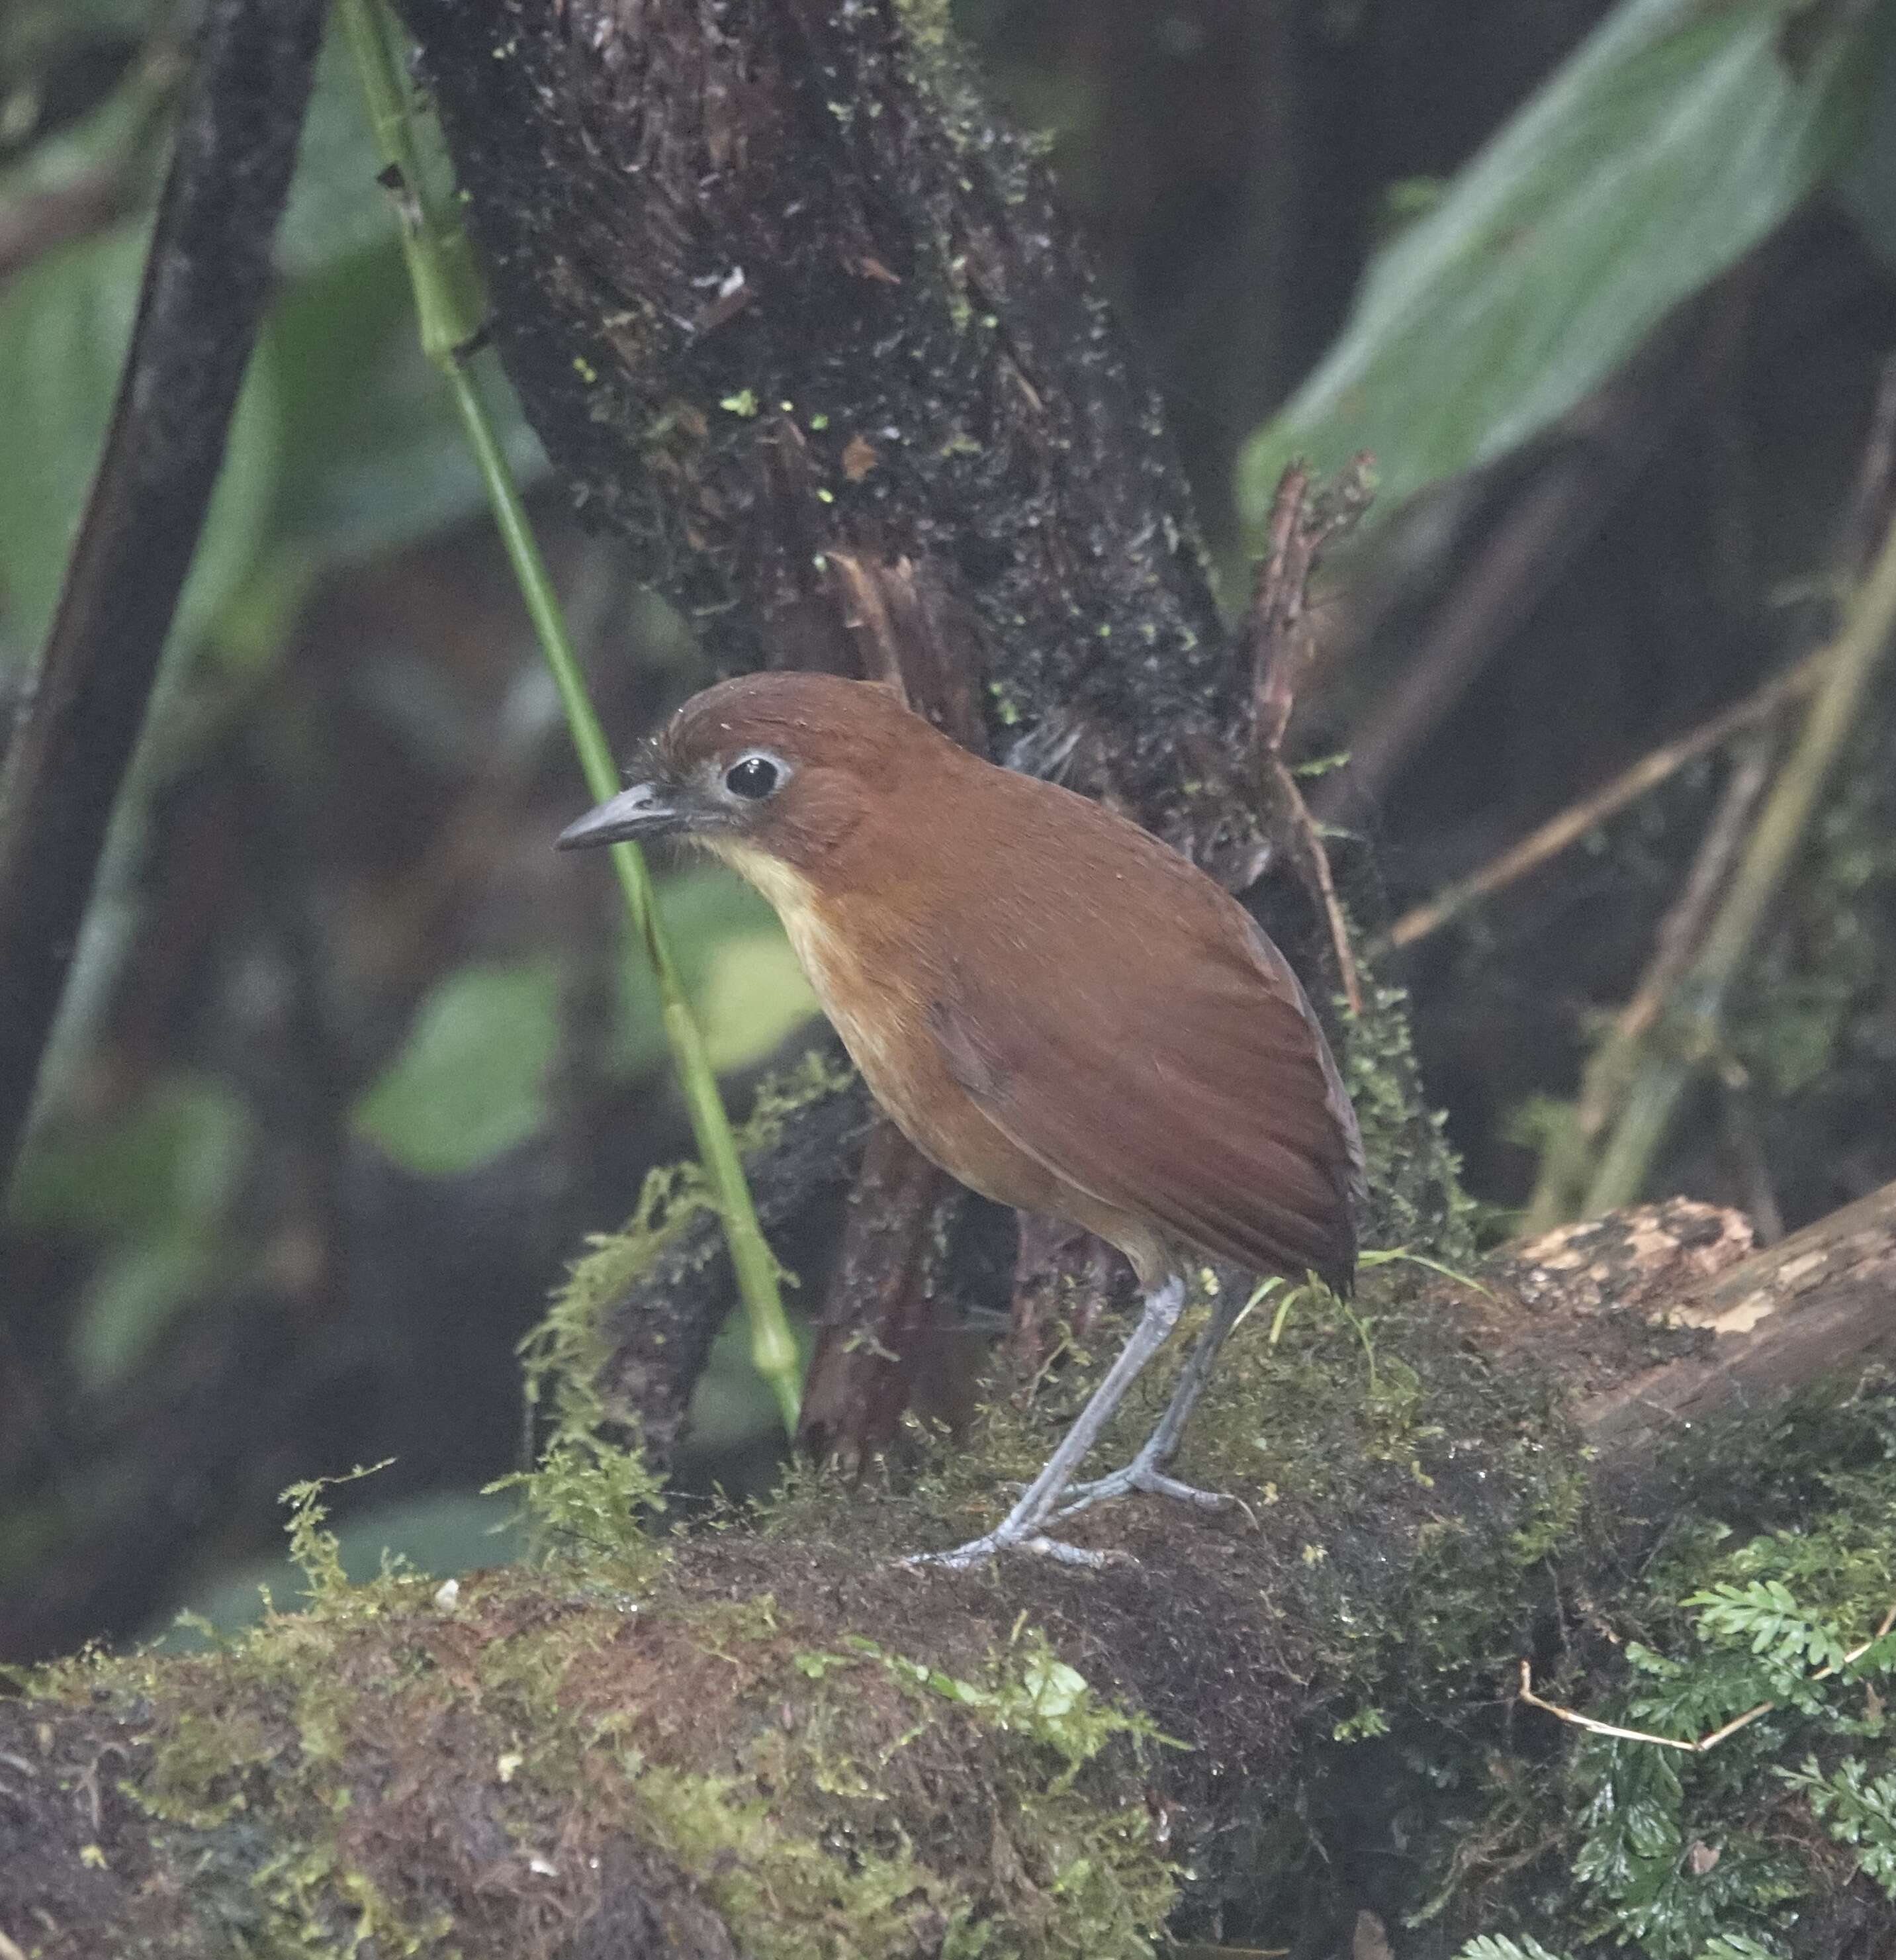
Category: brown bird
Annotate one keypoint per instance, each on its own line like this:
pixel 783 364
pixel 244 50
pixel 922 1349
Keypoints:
pixel 1056 1007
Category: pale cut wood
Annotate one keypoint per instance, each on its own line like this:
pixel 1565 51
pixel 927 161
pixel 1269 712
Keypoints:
pixel 1822 1303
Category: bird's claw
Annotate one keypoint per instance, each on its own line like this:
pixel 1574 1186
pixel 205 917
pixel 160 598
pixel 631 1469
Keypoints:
pixel 977 1551
pixel 1141 1474
pixel 1145 1478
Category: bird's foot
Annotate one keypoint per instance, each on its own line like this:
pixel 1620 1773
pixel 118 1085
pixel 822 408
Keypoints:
pixel 1030 1537
pixel 1142 1474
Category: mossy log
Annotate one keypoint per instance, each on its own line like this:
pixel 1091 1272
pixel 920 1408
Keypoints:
pixel 773 1740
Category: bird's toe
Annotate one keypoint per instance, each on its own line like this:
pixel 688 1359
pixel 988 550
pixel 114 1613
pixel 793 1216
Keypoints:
pixel 978 1550
pixel 1144 1478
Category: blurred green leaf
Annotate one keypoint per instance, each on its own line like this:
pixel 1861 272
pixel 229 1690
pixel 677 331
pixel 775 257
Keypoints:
pixel 440 1534
pixel 743 980
pixel 375 457
pixel 131 1300
pixel 154 1185
pixel 65 325
pixel 336 209
pixel 732 1407
pixel 753 994
pixel 29 28
pixel 470 1083
pixel 176 1154
pixel 1675 139
pixel 65 68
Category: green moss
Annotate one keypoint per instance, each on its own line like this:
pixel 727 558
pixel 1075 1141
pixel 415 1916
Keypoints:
pixel 590 1501
pixel 815 1905
pixel 1415 1189
pixel 387 1773
pixel 563 1355
pixel 812 1844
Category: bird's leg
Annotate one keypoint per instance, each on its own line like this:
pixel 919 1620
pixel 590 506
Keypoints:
pixel 1143 1473
pixel 1021 1527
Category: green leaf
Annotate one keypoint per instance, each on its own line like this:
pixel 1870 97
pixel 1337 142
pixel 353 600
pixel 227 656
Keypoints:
pixel 470 1083
pixel 336 208
pixel 1501 1946
pixel 173 1157
pixel 744 982
pixel 1056 1689
pixel 1676 138
pixel 151 1187
pixel 131 1300
pixel 1860 1810
pixel 754 994
pixel 375 456
pixel 1767 1615
pixel 65 326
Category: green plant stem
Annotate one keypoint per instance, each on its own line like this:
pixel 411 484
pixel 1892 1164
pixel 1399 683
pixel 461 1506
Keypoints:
pixel 1690 1035
pixel 448 305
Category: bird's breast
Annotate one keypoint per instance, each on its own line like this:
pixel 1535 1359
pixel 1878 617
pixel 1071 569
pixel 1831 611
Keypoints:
pixel 877 998
pixel 879 1019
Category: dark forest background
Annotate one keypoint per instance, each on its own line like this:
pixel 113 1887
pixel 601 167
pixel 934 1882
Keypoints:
pixel 351 1064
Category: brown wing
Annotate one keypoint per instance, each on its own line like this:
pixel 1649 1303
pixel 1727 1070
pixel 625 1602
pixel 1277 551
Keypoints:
pixel 1192 1087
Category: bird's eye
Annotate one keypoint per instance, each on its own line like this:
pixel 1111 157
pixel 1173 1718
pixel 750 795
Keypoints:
pixel 752 777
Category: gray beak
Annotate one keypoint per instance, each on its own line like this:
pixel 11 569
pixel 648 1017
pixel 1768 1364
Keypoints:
pixel 640 812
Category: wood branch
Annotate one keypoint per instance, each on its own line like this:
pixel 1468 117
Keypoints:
pixel 207 280
pixel 748 1740
pixel 1560 1187
pixel 655 1335
pixel 1820 1304
pixel 1545 843
pixel 1278 644
pixel 885 1342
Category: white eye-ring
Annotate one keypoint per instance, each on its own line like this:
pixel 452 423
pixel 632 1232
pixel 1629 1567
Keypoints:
pixel 755 776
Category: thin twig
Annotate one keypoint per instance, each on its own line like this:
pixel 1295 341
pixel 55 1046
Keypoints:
pixel 1611 1069
pixel 1560 831
pixel 1670 1029
pixel 1277 641
pixel 1876 478
pixel 1696 1746
pixel 1869 516
pixel 1782 826
pixel 1609 440
pixel 447 303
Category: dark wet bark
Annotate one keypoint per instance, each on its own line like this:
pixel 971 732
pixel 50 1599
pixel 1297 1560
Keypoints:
pixel 658 1335
pixel 773 284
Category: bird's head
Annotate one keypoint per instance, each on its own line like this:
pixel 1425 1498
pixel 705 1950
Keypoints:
pixel 769 770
